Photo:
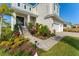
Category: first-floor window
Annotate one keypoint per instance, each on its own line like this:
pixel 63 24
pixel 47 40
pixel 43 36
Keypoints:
pixel 30 9
pixel 52 24
pixel 18 4
pixel 24 6
pixel 54 6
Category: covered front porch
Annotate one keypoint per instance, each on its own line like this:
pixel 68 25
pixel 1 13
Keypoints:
pixel 22 18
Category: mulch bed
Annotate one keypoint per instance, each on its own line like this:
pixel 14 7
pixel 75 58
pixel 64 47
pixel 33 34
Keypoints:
pixel 24 47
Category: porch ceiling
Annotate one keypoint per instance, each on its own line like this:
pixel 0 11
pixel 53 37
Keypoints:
pixel 24 12
pixel 55 17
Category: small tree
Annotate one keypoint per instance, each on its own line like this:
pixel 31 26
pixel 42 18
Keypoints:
pixel 4 10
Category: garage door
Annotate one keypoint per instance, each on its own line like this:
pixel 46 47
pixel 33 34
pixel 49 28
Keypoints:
pixel 56 27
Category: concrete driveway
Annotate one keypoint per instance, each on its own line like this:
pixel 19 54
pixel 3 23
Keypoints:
pixel 74 34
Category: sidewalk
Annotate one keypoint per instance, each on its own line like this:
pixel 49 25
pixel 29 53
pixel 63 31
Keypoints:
pixel 44 44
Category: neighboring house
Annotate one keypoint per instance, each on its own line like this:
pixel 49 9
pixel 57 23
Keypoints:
pixel 76 25
pixel 43 13
pixel 67 25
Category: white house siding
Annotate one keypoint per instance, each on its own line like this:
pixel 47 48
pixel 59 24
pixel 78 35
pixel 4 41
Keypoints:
pixel 56 11
pixel 42 10
pixel 51 8
pixel 58 27
pixel 68 26
pixel 54 8
pixel 49 23
pixel 13 21
pixel 28 6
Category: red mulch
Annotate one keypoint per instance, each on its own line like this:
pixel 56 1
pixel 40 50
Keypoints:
pixel 25 46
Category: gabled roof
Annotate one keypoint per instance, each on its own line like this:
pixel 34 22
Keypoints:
pixel 34 4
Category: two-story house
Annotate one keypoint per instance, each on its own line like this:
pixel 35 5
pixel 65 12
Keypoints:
pixel 43 13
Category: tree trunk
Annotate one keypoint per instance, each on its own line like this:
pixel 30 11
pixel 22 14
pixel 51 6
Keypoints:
pixel 0 26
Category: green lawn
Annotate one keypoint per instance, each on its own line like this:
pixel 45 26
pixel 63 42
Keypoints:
pixel 68 46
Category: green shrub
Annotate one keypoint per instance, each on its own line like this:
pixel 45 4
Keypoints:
pixel 73 26
pixel 16 28
pixel 40 30
pixel 6 34
pixel 44 31
pixel 30 25
pixel 5 43
pixel 23 53
pixel 17 40
pixel 71 29
pixel 32 28
pixel 37 26
pixel 52 34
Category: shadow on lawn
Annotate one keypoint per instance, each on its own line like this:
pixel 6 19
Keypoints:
pixel 74 42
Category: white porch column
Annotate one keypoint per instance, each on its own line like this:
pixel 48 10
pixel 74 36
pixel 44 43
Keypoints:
pixel 62 27
pixel 28 19
pixel 13 21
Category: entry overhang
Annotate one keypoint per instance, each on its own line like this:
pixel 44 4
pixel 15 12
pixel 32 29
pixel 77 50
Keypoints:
pixel 55 17
pixel 24 12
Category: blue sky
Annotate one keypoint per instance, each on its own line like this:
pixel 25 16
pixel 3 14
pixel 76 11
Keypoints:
pixel 70 12
pixel 7 18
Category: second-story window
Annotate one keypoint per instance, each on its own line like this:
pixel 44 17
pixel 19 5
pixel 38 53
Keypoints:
pixel 54 6
pixel 57 10
pixel 30 9
pixel 18 4
pixel 24 6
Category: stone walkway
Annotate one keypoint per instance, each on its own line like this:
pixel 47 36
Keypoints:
pixel 43 44
pixel 48 43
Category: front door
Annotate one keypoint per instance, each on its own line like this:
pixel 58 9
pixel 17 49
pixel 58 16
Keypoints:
pixel 20 20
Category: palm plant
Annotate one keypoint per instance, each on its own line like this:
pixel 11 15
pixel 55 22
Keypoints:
pixel 4 10
pixel 6 23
